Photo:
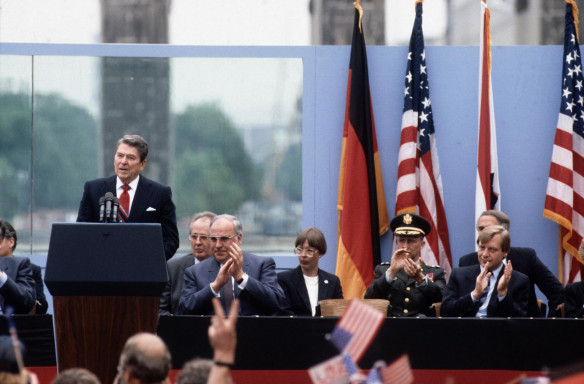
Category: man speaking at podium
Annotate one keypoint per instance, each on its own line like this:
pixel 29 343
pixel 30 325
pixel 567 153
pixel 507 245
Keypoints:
pixel 141 200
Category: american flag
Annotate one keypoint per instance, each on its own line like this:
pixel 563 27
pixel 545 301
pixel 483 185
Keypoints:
pixel 488 195
pixel 356 329
pixel 419 184
pixel 564 202
pixel 398 372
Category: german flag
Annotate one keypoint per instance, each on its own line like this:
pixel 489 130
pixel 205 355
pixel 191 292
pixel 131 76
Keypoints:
pixel 362 212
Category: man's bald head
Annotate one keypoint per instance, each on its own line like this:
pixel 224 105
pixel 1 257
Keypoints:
pixel 145 358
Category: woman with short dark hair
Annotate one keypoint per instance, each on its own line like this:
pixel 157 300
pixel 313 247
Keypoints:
pixel 307 284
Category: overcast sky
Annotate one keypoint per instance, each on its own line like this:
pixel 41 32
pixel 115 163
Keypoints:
pixel 192 22
pixel 210 22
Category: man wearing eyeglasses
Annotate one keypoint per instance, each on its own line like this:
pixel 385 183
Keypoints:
pixel 410 285
pixel 231 274
pixel 201 247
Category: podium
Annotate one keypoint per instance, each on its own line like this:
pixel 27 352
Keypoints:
pixel 106 279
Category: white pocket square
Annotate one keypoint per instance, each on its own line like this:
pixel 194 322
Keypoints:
pixel 150 209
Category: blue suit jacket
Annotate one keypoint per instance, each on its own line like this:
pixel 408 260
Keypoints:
pixel 149 194
pixel 525 260
pixel 261 296
pixel 19 290
pixel 294 287
pixel 457 300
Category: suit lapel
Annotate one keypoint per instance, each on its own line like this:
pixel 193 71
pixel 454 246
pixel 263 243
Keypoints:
pixel 323 286
pixel 246 267
pixel 109 185
pixel 140 199
pixel 300 285
pixel 5 266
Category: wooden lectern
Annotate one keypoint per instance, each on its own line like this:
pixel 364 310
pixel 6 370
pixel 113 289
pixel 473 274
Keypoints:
pixel 106 280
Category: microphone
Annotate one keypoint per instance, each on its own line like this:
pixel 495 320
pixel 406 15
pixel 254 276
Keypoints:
pixel 115 210
pixel 101 208
pixel 109 198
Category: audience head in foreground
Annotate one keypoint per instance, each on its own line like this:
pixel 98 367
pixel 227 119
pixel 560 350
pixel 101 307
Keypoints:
pixel 76 376
pixel 145 359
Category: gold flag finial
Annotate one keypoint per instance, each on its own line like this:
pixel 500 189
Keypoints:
pixel 575 16
pixel 357 5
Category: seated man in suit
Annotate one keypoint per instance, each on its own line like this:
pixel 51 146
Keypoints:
pixel 307 284
pixel 230 274
pixel 410 285
pixel 201 247
pixel 141 200
pixel 525 261
pixel 491 289
pixel 17 286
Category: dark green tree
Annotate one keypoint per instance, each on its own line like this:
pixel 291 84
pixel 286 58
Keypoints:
pixel 65 152
pixel 213 170
pixel 63 136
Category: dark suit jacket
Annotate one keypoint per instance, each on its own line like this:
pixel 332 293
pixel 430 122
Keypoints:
pixel 405 298
pixel 526 261
pixel 261 296
pixel 457 300
pixel 149 194
pixel 173 289
pixel 575 299
pixel 19 290
pixel 37 275
pixel 294 287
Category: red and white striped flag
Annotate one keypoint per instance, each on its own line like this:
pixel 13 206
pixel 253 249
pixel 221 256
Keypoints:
pixel 419 183
pixel 398 372
pixel 356 329
pixel 488 195
pixel 564 201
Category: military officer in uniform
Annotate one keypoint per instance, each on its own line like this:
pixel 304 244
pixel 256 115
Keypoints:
pixel 410 285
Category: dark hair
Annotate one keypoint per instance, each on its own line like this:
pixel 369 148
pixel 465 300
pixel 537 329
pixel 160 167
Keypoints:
pixel 501 218
pixel 195 371
pixel 7 231
pixel 315 239
pixel 137 142
pixel 76 376
pixel 489 232
pixel 144 366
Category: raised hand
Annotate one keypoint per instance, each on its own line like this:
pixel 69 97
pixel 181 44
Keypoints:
pixel 398 261
pixel 236 256
pixel 482 282
pixel 222 276
pixel 504 280
pixel 222 336
pixel 413 270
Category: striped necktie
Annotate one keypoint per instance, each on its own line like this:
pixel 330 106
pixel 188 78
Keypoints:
pixel 124 211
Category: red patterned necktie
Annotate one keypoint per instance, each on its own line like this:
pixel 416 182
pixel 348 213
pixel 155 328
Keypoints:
pixel 124 211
